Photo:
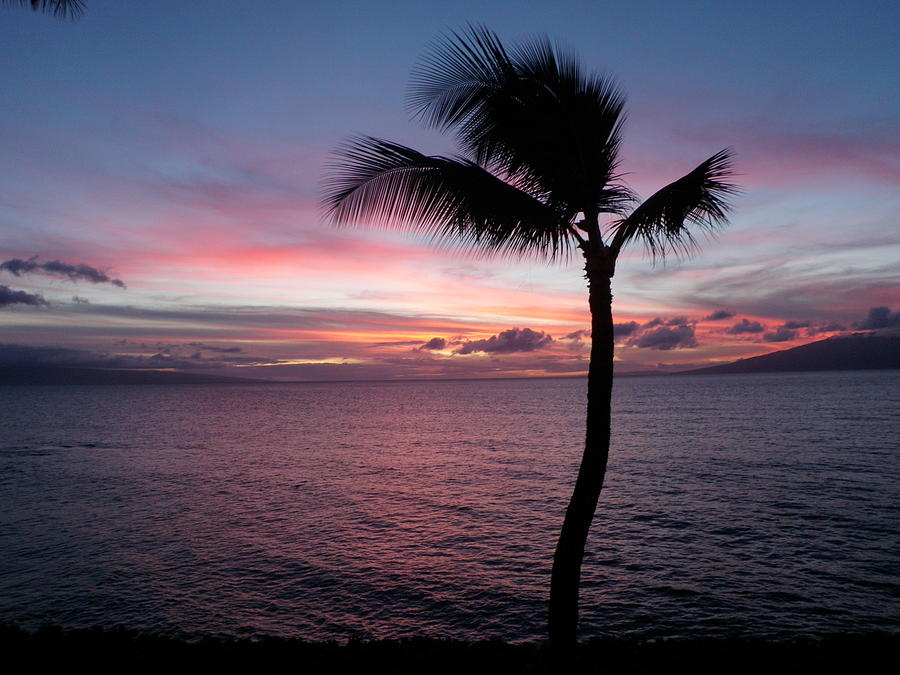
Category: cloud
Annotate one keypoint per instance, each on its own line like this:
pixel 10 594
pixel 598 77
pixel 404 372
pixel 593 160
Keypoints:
pixel 880 317
pixel 624 329
pixel 832 327
pixel 18 267
pixel 659 321
pixel 619 330
pixel 26 355
pixel 781 334
pixel 214 348
pixel 789 329
pixel 718 315
pixel 832 281
pixel 10 297
pixel 434 343
pixel 745 326
pixel 659 333
pixel 508 341
pixel 666 338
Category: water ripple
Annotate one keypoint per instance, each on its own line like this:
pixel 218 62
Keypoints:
pixel 732 505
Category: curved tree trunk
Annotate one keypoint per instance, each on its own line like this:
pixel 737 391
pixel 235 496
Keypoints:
pixel 566 574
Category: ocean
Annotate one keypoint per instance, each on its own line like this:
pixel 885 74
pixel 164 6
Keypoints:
pixel 753 505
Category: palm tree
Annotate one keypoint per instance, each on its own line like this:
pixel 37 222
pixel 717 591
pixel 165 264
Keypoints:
pixel 72 9
pixel 540 141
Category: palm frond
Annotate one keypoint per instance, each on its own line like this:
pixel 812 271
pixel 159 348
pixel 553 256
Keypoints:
pixel 530 114
pixel 71 9
pixel 662 221
pixel 452 200
pixel 554 125
pixel 456 76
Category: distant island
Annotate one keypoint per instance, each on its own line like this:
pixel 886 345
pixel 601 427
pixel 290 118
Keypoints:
pixel 54 375
pixel 859 351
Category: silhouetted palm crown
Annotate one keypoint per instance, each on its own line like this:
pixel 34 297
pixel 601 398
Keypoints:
pixel 64 9
pixel 540 143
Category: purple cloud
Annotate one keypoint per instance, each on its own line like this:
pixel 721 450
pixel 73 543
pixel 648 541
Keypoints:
pixel 826 328
pixel 619 330
pixel 880 317
pixel 27 355
pixel 434 343
pixel 625 329
pixel 18 267
pixel 508 341
pixel 9 296
pixel 780 334
pixel 665 338
pixel 745 326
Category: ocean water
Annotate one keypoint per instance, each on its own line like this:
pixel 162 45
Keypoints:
pixel 758 505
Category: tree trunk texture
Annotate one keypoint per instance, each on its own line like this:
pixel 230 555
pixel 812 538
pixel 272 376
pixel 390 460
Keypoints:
pixel 566 574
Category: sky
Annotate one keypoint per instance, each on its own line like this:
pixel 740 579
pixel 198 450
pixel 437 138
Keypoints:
pixel 162 166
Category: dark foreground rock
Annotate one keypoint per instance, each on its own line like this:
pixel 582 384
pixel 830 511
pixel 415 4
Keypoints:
pixel 119 651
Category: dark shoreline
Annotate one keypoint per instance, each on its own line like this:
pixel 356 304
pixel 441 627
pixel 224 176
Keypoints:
pixel 97 650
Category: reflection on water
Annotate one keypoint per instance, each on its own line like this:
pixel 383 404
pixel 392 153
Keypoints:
pixel 760 505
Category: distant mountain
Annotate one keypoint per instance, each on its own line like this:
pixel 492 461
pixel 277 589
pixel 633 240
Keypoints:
pixel 859 351
pixel 25 375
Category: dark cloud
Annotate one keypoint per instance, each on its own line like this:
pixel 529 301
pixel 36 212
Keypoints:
pixel 659 321
pixel 78 300
pixel 880 317
pixel 434 343
pixel 812 328
pixel 9 296
pixel 18 267
pixel 780 334
pixel 625 329
pixel 659 333
pixel 718 315
pixel 789 329
pixel 745 326
pixel 214 348
pixel 619 330
pixel 665 338
pixel 26 355
pixel 512 340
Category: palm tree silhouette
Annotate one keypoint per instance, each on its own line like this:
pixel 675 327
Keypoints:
pixel 540 141
pixel 72 9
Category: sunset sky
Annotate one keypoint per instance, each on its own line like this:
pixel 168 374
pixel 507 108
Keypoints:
pixel 162 163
